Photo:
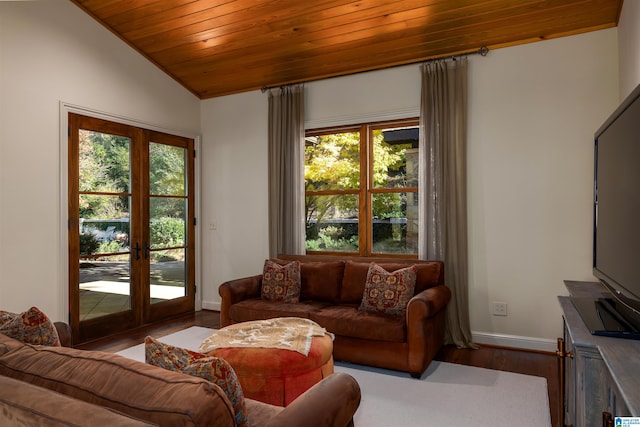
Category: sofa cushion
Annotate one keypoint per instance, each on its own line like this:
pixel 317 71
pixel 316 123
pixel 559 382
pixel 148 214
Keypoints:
pixel 213 369
pixel 386 292
pixel 23 404
pixel 8 344
pixel 281 282
pixel 31 326
pixel 321 281
pixel 347 320
pixel 259 309
pixel 263 411
pixel 139 390
pixel 428 274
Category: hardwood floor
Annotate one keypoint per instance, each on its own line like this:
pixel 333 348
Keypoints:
pixel 120 341
pixel 505 359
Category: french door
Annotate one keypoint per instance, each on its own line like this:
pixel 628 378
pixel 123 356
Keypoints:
pixel 131 226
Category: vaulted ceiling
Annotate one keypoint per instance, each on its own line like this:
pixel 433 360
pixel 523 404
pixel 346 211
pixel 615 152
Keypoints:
pixel 221 47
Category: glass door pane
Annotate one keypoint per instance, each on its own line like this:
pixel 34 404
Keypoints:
pixel 168 213
pixel 131 226
pixel 104 208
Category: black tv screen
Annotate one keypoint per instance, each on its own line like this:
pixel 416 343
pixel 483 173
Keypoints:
pixel 616 256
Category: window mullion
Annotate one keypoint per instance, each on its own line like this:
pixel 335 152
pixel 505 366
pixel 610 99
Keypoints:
pixel 366 177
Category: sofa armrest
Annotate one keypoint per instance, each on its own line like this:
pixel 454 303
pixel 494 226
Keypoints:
pixel 235 291
pixel 428 303
pixel 426 314
pixel 64 333
pixel 331 402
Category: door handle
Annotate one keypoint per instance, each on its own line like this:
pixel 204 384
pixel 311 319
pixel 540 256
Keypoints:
pixel 137 249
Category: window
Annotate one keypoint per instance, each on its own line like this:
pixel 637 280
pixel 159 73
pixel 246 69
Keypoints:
pixel 361 189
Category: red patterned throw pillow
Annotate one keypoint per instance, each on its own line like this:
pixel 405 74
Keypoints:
pixel 281 282
pixel 386 292
pixel 213 369
pixel 31 327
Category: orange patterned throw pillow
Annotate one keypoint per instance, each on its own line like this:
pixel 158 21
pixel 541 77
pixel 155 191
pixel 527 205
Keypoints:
pixel 281 283
pixel 213 369
pixel 388 293
pixel 31 327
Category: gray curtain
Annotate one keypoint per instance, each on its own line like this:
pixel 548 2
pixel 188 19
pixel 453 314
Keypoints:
pixel 286 171
pixel 443 185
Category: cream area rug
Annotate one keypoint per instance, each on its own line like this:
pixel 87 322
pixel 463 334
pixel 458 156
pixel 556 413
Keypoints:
pixel 446 395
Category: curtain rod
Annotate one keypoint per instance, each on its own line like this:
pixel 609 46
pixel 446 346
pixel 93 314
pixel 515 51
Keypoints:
pixel 483 51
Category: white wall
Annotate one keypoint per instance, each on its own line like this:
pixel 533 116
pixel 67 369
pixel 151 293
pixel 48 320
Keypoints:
pixel 532 116
pixel 51 51
pixel 383 94
pixel 234 198
pixel 533 112
pixel 629 47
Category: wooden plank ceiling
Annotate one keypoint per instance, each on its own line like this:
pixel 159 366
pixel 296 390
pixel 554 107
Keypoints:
pixel 221 47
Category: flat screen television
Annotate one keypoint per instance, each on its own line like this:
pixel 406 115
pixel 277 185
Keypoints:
pixel 616 243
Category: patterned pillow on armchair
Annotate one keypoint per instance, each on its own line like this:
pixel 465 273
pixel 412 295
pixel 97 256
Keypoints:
pixel 31 327
pixel 211 368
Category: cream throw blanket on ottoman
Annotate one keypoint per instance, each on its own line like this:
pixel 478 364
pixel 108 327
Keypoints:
pixel 287 333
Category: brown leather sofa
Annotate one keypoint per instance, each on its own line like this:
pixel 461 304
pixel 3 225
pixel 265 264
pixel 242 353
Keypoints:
pixel 331 292
pixel 61 386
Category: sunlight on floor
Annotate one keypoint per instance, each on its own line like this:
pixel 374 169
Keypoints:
pixel 122 288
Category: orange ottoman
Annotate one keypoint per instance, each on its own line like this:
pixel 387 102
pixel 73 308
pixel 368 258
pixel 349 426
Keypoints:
pixel 277 376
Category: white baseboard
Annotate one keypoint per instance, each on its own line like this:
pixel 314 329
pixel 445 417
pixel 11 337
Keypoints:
pixel 514 341
pixel 211 305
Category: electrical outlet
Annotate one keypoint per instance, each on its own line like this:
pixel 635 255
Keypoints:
pixel 499 308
